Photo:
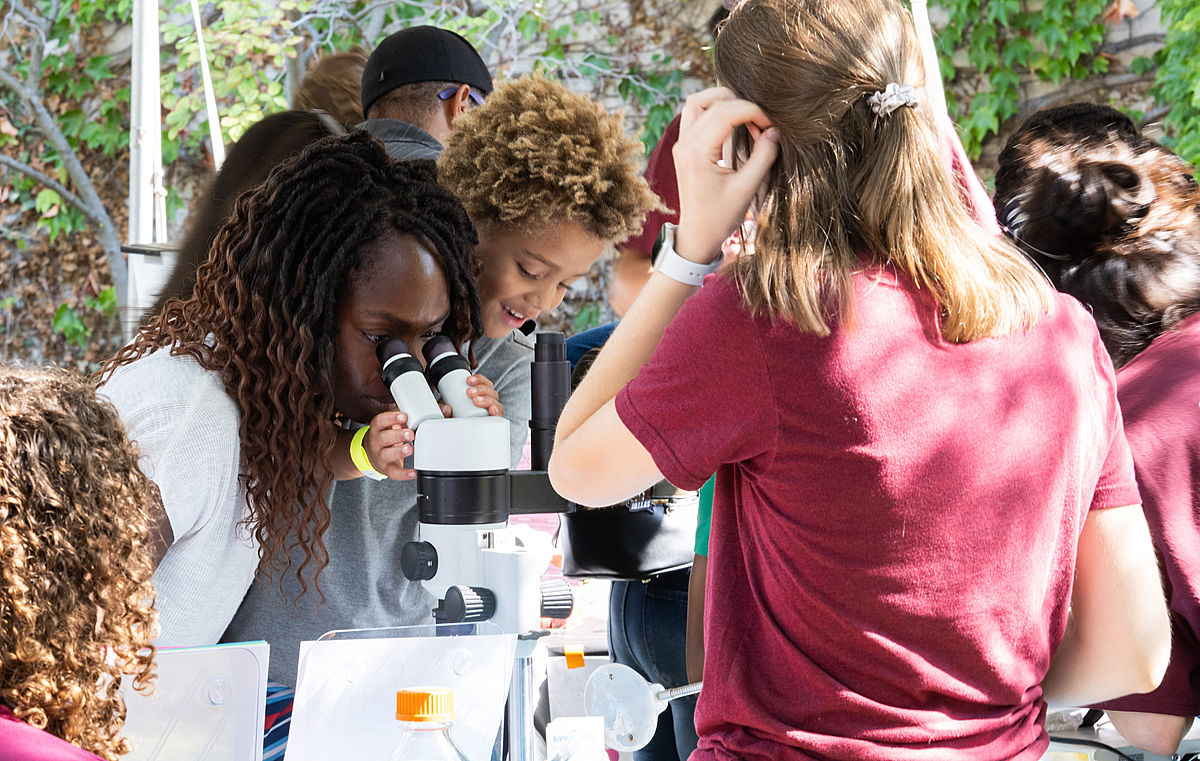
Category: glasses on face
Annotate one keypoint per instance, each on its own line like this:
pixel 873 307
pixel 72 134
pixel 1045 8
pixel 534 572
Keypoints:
pixel 448 93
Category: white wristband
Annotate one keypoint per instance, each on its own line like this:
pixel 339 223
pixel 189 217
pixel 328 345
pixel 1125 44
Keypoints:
pixel 676 267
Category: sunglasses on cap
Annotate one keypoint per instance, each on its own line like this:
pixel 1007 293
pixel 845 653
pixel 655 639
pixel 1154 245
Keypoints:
pixel 448 93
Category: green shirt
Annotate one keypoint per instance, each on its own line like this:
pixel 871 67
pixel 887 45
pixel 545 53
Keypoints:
pixel 704 516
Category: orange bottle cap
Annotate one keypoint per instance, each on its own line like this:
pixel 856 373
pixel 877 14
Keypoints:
pixel 425 704
pixel 574 654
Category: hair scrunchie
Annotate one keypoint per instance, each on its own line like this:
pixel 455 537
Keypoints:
pixel 893 96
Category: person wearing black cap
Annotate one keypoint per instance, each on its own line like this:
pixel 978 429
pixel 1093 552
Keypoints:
pixel 415 84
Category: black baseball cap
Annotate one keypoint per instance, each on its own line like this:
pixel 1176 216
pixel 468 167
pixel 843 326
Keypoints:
pixel 422 54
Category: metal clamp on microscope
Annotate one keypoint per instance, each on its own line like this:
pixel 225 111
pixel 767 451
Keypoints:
pixel 467 556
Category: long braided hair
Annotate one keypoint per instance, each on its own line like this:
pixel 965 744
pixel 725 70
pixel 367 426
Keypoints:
pixel 263 315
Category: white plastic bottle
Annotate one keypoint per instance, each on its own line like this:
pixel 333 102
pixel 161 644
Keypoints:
pixel 426 714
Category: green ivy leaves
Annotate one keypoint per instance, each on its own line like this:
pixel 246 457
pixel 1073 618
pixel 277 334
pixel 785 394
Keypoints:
pixel 70 322
pixel 1177 81
pixel 1004 40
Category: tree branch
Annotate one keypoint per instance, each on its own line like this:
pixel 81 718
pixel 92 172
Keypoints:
pixel 1156 114
pixel 88 200
pixel 1084 87
pixel 45 179
pixel 1116 46
pixel 30 16
pixel 14 84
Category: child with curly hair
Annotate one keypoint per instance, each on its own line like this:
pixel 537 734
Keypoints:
pixel 75 597
pixel 552 183
pixel 242 397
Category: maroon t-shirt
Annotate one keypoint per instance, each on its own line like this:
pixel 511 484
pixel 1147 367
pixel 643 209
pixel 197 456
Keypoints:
pixel 895 522
pixel 1160 399
pixel 660 176
pixel 21 742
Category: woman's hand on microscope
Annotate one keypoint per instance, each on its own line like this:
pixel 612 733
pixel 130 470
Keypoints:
pixel 483 394
pixel 388 443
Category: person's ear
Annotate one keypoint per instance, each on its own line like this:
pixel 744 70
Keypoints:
pixel 457 103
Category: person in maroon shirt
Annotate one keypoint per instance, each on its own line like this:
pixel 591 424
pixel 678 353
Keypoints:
pixel 76 610
pixel 1114 219
pixel 926 523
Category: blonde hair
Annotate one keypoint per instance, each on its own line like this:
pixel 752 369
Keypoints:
pixel 536 153
pixel 849 183
pixel 334 85
pixel 74 560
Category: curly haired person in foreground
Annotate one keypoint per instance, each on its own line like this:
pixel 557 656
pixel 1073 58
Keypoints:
pixel 75 597
pixel 241 397
pixel 552 183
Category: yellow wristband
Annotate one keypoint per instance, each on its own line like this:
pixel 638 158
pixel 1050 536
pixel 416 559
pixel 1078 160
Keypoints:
pixel 359 455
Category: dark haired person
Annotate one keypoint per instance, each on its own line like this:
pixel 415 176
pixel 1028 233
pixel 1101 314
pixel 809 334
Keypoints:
pixel 234 394
pixel 525 197
pixel 1114 219
pixel 265 145
pixel 926 523
pixel 327 102
pixel 416 83
pixel 76 613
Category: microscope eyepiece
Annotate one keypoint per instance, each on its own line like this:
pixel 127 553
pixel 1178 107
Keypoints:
pixel 405 378
pixel 448 370
pixel 551 381
pixel 550 347
pixel 395 358
pixel 437 347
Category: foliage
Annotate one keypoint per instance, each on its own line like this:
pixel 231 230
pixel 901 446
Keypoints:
pixel 70 323
pixel 54 303
pixel 70 79
pixel 647 91
pixel 249 44
pixel 64 136
pixel 1177 81
pixel 1006 39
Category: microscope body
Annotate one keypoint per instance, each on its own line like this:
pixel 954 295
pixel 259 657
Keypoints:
pixel 464 504
pixel 468 557
pixel 479 567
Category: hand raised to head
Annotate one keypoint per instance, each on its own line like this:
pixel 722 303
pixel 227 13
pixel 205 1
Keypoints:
pixel 713 198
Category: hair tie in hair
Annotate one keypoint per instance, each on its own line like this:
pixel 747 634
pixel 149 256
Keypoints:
pixel 893 96
pixel 1013 216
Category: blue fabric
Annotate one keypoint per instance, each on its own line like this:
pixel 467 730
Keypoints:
pixel 647 627
pixel 278 720
pixel 580 343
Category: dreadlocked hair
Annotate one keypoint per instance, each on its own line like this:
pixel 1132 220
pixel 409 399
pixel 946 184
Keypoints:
pixel 263 315
pixel 74 560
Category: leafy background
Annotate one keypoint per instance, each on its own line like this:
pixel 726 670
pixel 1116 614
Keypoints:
pixel 1001 59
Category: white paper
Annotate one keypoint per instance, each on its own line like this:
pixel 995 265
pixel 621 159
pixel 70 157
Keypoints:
pixel 209 705
pixel 346 692
pixel 576 738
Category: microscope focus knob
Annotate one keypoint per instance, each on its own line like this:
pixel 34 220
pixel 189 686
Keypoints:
pixel 465 604
pixel 557 599
pixel 418 561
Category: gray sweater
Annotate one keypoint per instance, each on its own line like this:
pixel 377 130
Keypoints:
pixel 402 140
pixel 371 522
